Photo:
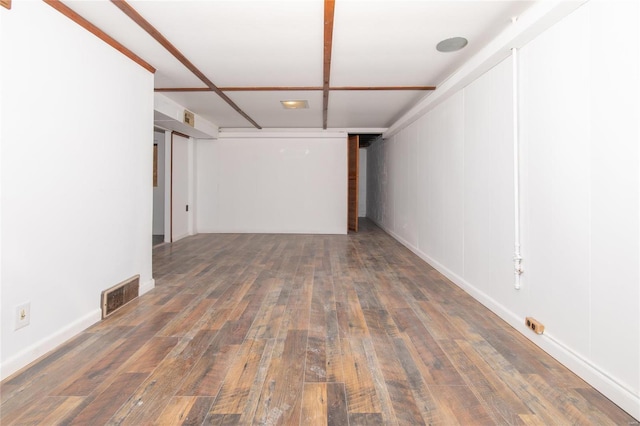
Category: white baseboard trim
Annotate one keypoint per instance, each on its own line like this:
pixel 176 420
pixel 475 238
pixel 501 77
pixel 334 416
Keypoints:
pixel 146 287
pixel 49 343
pixel 35 351
pixel 179 237
pixel 328 231
pixel 624 397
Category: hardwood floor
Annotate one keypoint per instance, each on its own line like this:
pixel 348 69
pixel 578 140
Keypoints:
pixel 300 329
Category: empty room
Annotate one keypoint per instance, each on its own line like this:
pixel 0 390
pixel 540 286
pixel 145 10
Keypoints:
pixel 313 212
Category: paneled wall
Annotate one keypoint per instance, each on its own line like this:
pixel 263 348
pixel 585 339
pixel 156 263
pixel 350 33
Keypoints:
pixel 581 176
pixel 444 187
pixel 283 184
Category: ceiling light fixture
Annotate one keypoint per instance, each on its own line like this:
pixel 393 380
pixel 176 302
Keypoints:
pixel 451 44
pixel 298 104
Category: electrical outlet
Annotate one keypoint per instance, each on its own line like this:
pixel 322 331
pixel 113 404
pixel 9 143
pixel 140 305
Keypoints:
pixel 534 325
pixel 23 315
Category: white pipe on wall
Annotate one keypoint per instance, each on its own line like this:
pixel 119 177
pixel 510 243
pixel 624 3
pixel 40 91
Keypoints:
pixel 517 257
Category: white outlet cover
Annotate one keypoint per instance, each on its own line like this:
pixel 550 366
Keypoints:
pixel 23 315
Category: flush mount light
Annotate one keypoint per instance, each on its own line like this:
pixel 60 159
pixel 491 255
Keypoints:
pixel 451 44
pixel 295 104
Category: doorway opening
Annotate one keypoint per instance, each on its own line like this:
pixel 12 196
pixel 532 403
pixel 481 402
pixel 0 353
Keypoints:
pixel 353 166
pixel 171 217
pixel 357 177
pixel 159 187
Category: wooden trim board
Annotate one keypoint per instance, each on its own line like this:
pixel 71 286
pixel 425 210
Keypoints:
pixel 69 13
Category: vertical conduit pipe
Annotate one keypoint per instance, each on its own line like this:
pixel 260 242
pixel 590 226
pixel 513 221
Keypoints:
pixel 517 258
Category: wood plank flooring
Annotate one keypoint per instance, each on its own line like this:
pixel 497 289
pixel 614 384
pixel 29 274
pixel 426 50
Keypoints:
pixel 300 329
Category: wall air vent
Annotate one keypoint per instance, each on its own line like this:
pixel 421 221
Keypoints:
pixel 119 295
pixel 189 118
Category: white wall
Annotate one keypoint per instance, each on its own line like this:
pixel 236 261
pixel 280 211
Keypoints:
pixel 76 177
pixel 167 187
pixel 581 176
pixel 580 193
pixel 192 185
pixel 159 191
pixel 2 15
pixel 272 184
pixel 180 187
pixel 362 183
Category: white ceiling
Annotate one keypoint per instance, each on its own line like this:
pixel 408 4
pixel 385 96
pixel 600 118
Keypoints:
pixel 266 43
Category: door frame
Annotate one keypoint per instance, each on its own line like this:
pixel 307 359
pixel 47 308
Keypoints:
pixel 353 190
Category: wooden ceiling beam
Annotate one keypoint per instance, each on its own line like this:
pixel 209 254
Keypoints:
pixel 329 9
pixel 383 88
pixel 69 13
pixel 157 35
pixel 291 89
pixel 182 89
pixel 238 89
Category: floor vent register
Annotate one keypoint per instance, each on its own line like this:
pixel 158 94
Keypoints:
pixel 119 295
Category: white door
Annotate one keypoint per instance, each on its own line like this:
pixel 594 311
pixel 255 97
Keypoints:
pixel 179 187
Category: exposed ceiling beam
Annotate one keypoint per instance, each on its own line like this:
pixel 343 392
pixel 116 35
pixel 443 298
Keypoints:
pixel 329 8
pixel 290 89
pixel 238 89
pixel 69 13
pixel 383 88
pixel 153 32
pixel 270 89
